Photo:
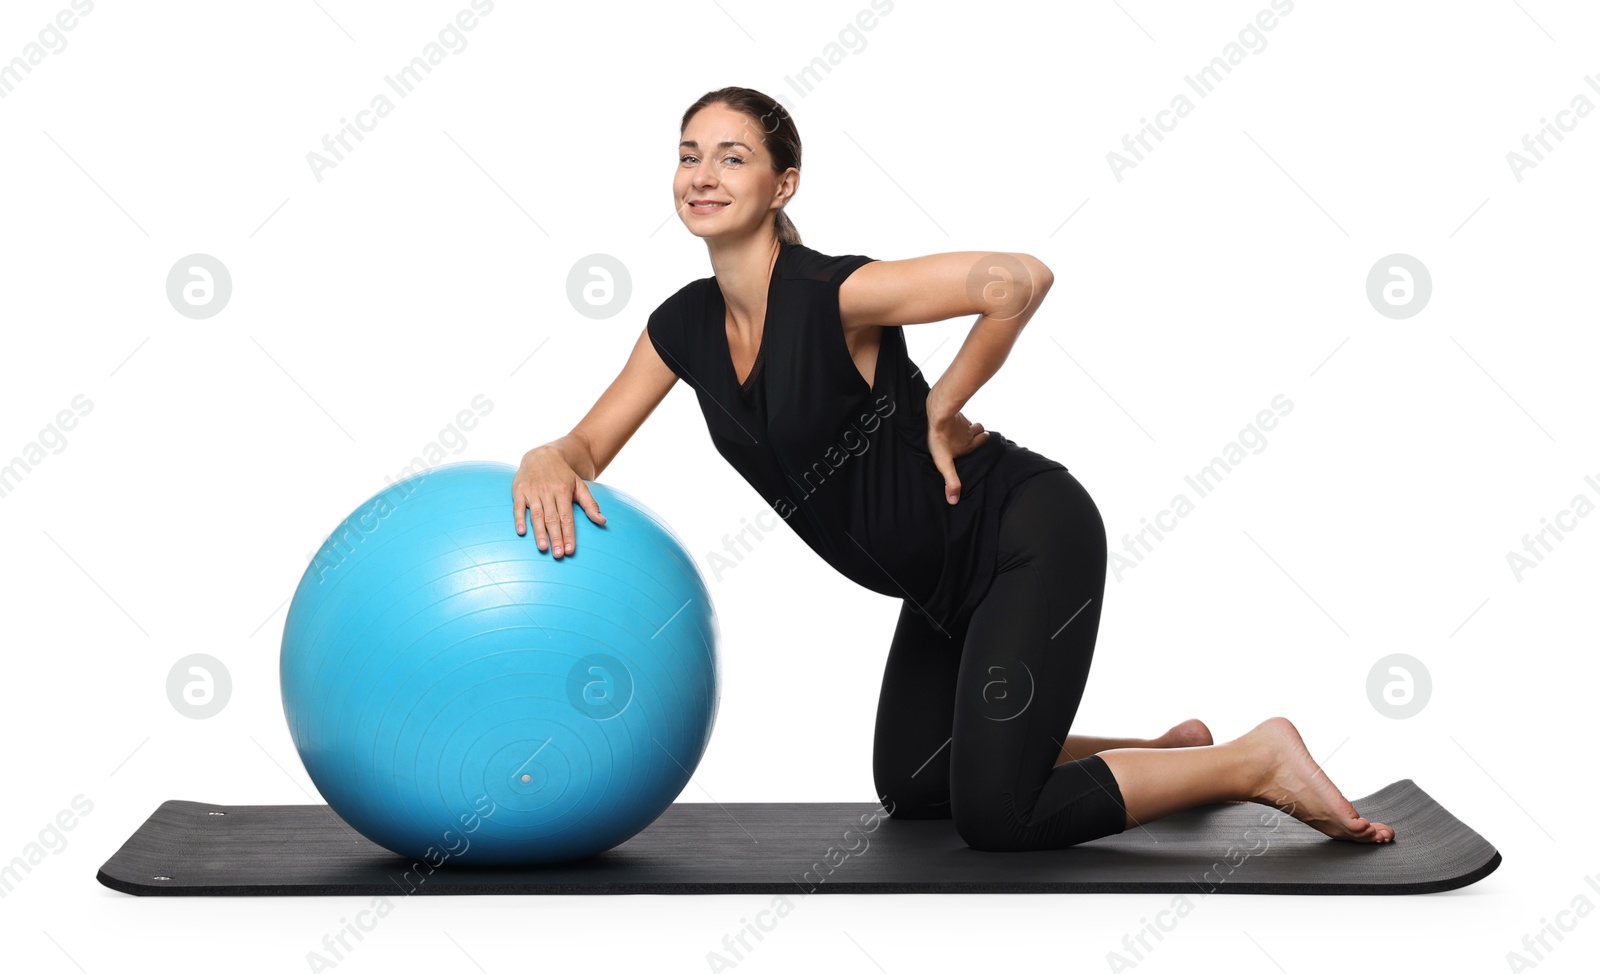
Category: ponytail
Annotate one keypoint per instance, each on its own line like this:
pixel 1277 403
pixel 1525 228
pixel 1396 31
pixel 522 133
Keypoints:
pixel 785 228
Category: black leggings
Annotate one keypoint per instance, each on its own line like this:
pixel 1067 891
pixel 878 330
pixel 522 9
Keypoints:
pixel 971 719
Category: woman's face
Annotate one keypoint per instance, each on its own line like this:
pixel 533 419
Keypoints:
pixel 725 183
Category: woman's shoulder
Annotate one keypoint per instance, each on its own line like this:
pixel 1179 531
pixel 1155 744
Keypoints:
pixel 801 263
pixel 683 303
pixel 675 330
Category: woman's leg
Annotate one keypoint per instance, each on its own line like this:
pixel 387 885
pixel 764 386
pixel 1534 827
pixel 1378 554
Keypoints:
pixel 1021 677
pixel 1269 765
pixel 1190 733
pixel 1022 674
pixel 911 744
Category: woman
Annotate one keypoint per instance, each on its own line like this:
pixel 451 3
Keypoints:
pixel 997 552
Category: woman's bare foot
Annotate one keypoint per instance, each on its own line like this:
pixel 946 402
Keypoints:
pixel 1190 733
pixel 1291 781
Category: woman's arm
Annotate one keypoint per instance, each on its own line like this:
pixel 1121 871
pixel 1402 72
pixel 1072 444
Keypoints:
pixel 1003 289
pixel 546 485
pixel 632 396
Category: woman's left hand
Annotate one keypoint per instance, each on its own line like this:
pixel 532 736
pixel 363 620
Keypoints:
pixel 951 436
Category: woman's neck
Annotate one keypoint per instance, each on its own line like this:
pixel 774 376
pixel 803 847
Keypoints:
pixel 744 272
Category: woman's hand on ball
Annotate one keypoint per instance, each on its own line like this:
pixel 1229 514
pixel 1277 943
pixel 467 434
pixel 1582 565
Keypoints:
pixel 542 491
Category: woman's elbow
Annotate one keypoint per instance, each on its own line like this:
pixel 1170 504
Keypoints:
pixel 1039 274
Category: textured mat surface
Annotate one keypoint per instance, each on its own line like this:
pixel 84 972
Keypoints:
pixel 193 849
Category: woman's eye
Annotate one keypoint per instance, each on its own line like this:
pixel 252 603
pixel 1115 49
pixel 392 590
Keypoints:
pixel 733 159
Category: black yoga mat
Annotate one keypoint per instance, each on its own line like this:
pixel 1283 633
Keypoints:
pixel 193 849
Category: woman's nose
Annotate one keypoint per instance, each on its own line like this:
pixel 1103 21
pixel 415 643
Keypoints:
pixel 708 173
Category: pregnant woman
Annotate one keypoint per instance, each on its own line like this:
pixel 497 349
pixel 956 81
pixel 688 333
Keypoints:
pixel 996 552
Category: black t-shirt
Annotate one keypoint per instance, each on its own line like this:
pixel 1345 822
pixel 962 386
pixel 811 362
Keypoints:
pixel 845 465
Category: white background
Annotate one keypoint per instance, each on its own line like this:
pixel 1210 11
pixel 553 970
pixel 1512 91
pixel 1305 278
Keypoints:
pixel 1229 266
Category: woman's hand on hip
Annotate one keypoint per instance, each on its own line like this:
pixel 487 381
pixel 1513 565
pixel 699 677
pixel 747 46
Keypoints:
pixel 951 436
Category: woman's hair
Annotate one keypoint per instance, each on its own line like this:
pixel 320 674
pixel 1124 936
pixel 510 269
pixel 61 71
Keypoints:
pixel 777 131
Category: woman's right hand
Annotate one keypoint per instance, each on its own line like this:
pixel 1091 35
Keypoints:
pixel 544 487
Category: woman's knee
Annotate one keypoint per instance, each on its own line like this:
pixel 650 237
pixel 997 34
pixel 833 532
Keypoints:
pixel 986 824
pixel 913 798
pixel 1079 802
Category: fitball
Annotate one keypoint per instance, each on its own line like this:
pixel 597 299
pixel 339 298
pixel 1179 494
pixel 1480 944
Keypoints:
pixel 457 695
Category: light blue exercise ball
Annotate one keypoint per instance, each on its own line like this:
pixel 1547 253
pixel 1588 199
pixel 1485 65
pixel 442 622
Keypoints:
pixel 459 696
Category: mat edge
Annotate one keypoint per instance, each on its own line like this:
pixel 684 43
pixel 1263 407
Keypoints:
pixel 842 888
